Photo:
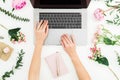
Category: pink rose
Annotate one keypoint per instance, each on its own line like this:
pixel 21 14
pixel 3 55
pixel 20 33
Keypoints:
pixel 18 4
pixel 99 14
pixel 6 50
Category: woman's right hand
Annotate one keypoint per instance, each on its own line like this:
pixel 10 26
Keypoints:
pixel 68 43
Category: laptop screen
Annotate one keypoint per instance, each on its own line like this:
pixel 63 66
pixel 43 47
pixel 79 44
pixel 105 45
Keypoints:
pixel 60 2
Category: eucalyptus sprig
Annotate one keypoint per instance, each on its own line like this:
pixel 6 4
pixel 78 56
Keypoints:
pixel 116 9
pixel 115 21
pixel 118 57
pixel 14 16
pixel 18 65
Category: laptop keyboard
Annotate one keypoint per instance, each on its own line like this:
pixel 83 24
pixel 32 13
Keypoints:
pixel 62 20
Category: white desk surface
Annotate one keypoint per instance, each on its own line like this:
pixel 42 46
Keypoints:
pixel 96 71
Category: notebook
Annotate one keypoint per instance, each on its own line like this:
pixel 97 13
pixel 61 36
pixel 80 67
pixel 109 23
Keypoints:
pixel 56 65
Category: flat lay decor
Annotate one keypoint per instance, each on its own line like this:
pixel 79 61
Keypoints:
pixel 98 57
pixel 104 36
pixel 15 35
pixel 18 65
pixel 16 5
pixel 113 11
pixel 5 51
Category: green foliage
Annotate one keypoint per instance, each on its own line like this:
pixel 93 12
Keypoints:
pixel 118 36
pixel 14 16
pixel 4 1
pixel 108 41
pixel 115 21
pixel 18 65
pixel 19 62
pixel 13 33
pixel 116 10
pixel 102 60
pixel 118 57
pixel 106 37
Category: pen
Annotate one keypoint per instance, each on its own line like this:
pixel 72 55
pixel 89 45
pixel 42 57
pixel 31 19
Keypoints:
pixel 58 65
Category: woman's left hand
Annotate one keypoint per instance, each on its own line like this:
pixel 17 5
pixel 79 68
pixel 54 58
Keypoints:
pixel 41 32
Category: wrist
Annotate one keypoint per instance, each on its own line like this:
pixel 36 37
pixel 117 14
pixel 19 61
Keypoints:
pixel 37 49
pixel 74 57
pixel 38 45
pixel 72 54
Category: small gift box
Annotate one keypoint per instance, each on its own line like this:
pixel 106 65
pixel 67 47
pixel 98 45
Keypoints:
pixel 5 51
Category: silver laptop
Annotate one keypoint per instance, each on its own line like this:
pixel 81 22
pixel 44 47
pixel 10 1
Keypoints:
pixel 65 17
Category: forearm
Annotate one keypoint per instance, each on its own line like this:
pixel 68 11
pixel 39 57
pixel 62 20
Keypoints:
pixel 81 71
pixel 35 64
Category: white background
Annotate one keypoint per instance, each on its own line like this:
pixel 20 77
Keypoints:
pixel 96 71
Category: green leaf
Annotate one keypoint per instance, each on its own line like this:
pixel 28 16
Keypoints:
pixel 108 41
pixel 4 1
pixel 111 12
pixel 103 61
pixel 109 21
pixel 118 36
pixel 13 33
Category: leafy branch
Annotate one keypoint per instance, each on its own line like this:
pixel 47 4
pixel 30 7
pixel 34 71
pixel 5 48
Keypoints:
pixel 14 16
pixel 116 8
pixel 98 57
pixel 106 37
pixel 118 57
pixel 115 21
pixel 19 64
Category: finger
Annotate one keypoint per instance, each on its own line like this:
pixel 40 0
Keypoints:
pixel 62 44
pixel 46 30
pixel 65 41
pixel 44 25
pixel 39 25
pixel 68 37
pixel 35 25
pixel 73 39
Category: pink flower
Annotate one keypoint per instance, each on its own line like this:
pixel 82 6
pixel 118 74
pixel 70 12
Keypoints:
pixel 97 34
pixel 99 14
pixel 90 57
pixel 18 4
pixel 94 49
pixel 6 50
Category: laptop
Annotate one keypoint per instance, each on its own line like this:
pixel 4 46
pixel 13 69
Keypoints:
pixel 65 17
